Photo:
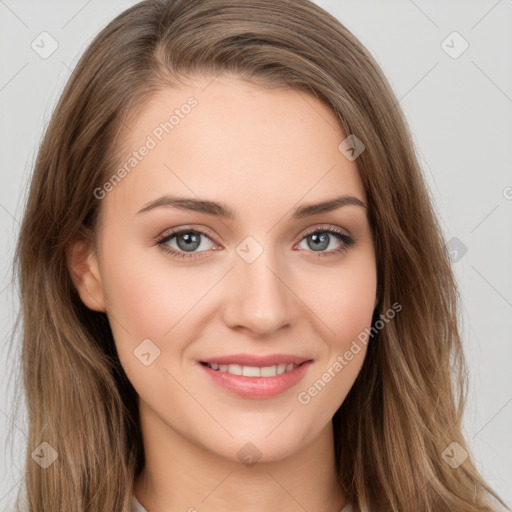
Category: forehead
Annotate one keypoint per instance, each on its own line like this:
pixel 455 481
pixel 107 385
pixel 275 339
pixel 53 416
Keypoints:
pixel 235 142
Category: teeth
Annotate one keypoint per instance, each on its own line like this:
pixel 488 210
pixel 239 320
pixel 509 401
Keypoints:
pixel 250 371
pixel 235 369
pixel 253 371
pixel 269 371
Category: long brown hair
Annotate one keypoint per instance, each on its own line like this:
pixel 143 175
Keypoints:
pixel 406 405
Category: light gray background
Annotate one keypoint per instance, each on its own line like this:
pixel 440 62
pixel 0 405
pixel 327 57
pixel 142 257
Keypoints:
pixel 460 113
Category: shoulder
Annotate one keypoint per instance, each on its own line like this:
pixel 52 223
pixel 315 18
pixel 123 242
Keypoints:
pixel 137 507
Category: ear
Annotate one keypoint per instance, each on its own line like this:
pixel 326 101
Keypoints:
pixel 83 267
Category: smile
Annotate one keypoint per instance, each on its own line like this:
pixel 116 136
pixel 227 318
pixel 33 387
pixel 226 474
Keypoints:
pixel 253 371
pixel 256 377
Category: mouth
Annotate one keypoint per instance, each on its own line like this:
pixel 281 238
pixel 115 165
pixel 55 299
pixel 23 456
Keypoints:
pixel 252 371
pixel 255 376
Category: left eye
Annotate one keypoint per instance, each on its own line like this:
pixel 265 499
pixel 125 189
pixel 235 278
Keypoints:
pixel 324 240
pixel 187 243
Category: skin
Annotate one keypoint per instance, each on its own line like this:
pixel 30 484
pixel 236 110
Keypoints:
pixel 262 152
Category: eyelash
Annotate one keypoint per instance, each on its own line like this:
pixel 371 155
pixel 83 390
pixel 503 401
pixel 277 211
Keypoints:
pixel 348 241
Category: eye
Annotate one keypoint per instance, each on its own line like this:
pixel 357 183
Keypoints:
pixel 331 238
pixel 180 242
pixel 189 243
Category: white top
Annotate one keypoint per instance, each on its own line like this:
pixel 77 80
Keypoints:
pixel 137 507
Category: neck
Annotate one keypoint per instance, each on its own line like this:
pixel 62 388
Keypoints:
pixel 181 476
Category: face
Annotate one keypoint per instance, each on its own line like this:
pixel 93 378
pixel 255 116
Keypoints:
pixel 241 276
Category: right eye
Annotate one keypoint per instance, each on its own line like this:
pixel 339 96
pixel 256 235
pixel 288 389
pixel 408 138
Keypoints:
pixel 182 241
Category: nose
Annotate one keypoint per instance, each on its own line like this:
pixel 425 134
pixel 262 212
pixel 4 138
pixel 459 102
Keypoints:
pixel 259 299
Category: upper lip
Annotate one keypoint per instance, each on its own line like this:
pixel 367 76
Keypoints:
pixel 255 360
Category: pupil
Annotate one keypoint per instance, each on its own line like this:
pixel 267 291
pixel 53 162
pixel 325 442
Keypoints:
pixel 190 240
pixel 323 240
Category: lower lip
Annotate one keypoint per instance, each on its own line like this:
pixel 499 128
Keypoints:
pixel 257 387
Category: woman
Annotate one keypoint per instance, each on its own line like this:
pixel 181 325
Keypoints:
pixel 235 292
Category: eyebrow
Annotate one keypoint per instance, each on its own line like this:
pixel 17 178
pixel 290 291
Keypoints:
pixel 226 212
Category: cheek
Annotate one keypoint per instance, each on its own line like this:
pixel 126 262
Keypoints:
pixel 148 297
pixel 344 299
pixel 345 308
pixel 144 298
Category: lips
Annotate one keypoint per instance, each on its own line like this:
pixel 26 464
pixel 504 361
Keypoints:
pixel 252 376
